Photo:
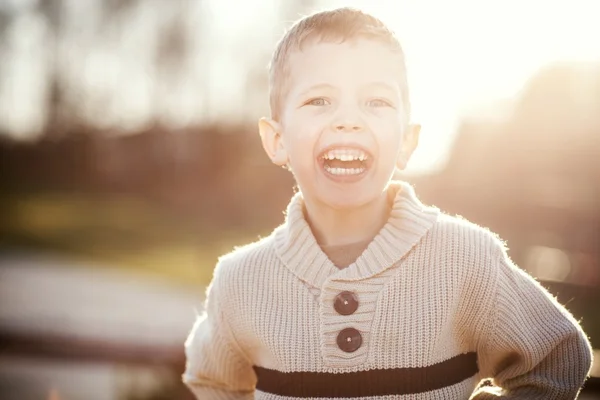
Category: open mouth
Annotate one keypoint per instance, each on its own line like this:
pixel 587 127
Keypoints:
pixel 348 161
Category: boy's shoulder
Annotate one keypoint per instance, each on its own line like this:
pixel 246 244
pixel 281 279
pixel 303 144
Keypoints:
pixel 246 258
pixel 459 232
pixel 462 224
pixel 464 249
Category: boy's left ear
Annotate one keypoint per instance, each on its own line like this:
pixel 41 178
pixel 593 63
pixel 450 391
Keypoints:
pixel 410 142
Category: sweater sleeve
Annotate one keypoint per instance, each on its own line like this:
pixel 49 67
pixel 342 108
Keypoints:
pixel 534 348
pixel 216 368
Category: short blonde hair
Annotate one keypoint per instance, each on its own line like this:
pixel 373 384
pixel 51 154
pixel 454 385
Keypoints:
pixel 337 25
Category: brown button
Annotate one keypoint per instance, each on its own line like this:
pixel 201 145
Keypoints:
pixel 349 340
pixel 345 303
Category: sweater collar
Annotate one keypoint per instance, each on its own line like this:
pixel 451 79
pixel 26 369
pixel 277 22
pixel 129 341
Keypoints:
pixel 408 222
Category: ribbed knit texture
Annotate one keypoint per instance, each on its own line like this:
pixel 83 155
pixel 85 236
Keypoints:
pixel 430 287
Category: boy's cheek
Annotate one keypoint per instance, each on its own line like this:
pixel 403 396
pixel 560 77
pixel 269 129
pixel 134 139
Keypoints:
pixel 388 131
pixel 304 135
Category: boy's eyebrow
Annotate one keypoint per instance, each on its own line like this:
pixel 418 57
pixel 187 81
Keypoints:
pixel 316 87
pixel 375 84
pixel 383 85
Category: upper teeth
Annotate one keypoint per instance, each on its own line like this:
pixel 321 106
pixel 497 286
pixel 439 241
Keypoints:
pixel 345 155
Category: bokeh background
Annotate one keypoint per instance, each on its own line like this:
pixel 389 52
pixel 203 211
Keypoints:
pixel 130 160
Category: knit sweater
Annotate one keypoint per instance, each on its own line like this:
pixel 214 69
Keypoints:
pixel 430 308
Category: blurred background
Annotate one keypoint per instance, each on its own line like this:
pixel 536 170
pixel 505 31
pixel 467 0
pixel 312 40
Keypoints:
pixel 130 160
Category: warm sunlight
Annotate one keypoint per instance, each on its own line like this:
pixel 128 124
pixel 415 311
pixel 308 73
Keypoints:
pixel 466 55
pixel 148 224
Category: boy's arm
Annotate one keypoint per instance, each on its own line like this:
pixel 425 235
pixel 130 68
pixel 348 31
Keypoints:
pixel 533 348
pixel 216 368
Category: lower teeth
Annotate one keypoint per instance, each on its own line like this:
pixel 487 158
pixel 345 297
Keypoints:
pixel 344 171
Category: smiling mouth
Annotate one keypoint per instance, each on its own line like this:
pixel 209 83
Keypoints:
pixel 345 161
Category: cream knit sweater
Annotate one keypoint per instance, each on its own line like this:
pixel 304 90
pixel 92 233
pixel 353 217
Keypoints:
pixel 431 307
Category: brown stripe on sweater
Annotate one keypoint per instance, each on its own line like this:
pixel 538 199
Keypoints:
pixel 378 382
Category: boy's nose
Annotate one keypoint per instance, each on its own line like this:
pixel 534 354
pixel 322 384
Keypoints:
pixel 348 119
pixel 348 125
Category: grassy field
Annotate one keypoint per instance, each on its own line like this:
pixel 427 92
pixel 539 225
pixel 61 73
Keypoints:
pixel 116 230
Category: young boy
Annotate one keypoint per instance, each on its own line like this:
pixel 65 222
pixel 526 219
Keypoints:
pixel 364 292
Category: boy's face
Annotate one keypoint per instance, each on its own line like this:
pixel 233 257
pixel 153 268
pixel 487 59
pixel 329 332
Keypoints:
pixel 342 129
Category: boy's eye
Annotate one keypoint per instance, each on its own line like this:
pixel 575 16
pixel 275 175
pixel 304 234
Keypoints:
pixel 378 103
pixel 317 102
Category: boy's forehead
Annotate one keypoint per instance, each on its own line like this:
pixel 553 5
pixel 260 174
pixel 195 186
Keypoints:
pixel 359 62
pixel 365 50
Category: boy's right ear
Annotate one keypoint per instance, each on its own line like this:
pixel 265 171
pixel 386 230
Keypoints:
pixel 270 135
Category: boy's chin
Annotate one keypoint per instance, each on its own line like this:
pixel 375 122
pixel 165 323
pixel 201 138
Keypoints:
pixel 350 198
pixel 343 195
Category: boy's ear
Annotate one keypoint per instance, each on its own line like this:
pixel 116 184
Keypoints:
pixel 270 135
pixel 410 142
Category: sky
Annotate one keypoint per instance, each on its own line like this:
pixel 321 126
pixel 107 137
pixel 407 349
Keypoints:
pixel 464 56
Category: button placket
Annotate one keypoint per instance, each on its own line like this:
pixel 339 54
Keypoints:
pixel 349 339
pixel 333 322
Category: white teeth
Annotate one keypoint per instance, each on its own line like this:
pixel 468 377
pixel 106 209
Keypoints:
pixel 349 154
pixel 345 154
pixel 344 171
